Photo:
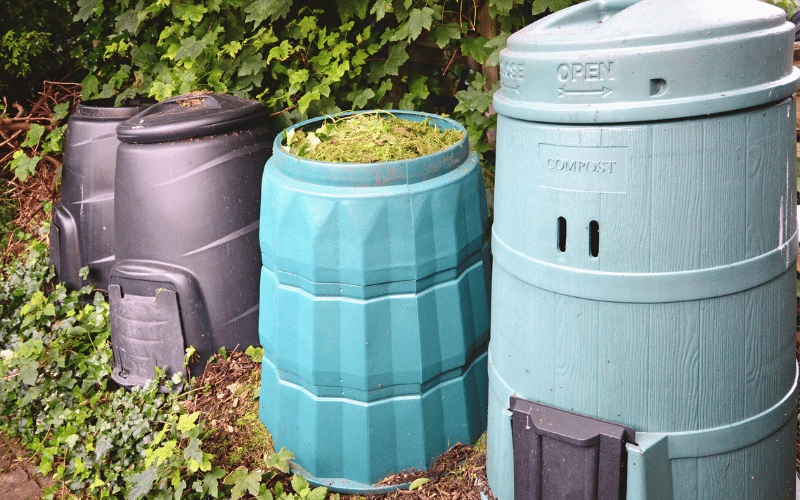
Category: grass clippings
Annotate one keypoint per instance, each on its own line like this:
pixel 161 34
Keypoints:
pixel 369 138
pixel 193 99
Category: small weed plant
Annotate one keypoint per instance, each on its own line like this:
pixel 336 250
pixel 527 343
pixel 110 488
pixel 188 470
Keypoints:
pixel 55 361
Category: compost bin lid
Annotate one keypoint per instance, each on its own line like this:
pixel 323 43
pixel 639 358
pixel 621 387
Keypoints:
pixel 192 115
pixel 106 109
pixel 643 60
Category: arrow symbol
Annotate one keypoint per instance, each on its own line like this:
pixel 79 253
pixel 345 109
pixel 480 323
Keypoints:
pixel 601 93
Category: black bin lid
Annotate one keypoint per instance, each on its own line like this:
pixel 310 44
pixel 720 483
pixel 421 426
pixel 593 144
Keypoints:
pixel 190 116
pixel 106 109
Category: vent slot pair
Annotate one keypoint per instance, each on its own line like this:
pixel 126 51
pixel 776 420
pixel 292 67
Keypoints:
pixel 594 237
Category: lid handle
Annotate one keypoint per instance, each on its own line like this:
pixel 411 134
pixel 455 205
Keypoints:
pixel 193 100
pixel 587 12
pixel 181 103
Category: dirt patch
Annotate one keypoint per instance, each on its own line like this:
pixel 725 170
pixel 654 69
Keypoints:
pixel 19 477
pixel 460 473
pixel 227 394
pixel 403 477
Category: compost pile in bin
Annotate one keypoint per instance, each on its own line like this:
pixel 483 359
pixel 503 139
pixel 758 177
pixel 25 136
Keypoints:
pixel 369 138
pixel 227 396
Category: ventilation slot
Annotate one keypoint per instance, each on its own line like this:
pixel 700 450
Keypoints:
pixel 658 87
pixel 594 238
pixel 562 234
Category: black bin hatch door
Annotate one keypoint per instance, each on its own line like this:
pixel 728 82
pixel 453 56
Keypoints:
pixel 560 455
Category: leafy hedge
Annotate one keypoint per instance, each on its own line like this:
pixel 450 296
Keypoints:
pixel 305 59
pixel 301 58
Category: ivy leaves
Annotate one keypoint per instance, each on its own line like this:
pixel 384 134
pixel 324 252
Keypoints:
pixel 442 35
pixel 191 47
pixel 142 483
pixel 540 6
pixel 473 105
pixel 87 8
pixel 475 48
pixel 94 443
pixel 788 5
pixel 39 143
pixel 299 64
pixel 304 61
pixel 417 20
pixel 262 10
pixel 397 57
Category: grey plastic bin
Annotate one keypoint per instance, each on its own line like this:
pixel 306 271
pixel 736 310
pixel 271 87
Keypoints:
pixel 187 203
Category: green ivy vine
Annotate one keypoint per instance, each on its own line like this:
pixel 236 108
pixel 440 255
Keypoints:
pixel 97 443
pixel 306 59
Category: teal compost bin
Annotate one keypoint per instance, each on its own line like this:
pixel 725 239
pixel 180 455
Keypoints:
pixel 374 312
pixel 644 248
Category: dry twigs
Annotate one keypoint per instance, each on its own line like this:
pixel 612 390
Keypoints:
pixel 460 473
pixel 29 195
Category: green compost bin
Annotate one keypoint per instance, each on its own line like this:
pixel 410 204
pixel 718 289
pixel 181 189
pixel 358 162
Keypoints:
pixel 374 310
pixel 644 247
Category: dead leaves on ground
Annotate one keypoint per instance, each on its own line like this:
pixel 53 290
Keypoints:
pixel 224 395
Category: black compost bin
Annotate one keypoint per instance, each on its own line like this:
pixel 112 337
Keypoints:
pixel 187 203
pixel 82 231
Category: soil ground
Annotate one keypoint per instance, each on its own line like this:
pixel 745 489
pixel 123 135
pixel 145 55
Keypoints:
pixel 19 479
pixel 225 397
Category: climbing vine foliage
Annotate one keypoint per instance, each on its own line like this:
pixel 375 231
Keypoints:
pixel 94 442
pixel 309 58
pixel 312 57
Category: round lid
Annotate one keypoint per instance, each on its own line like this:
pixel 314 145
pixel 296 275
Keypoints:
pixel 643 60
pixel 104 109
pixel 192 115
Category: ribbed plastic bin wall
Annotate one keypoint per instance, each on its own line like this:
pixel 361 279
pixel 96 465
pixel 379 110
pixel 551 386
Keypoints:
pixel 82 230
pixel 374 310
pixel 187 214
pixel 644 246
